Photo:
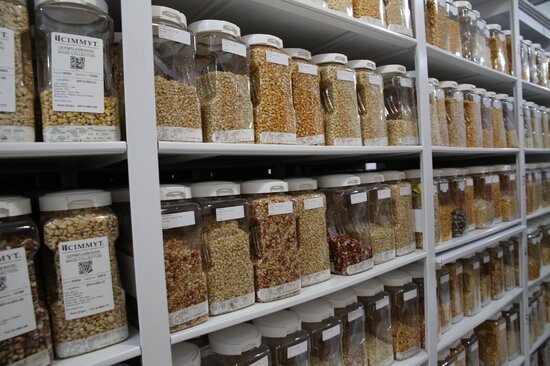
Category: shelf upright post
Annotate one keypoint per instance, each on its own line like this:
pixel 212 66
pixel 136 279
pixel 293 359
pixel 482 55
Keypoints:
pixel 143 176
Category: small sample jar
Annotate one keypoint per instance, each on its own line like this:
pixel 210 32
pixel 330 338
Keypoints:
pixel 444 297
pixel 486 118
pixel 370 11
pixel 487 38
pixel 468 29
pixel 401 117
pixel 441 113
pixel 444 358
pixel 516 248
pixel 223 69
pixel 454 36
pixel 496 195
pixel 484 277
pixel 471 285
pixel 306 98
pixel 471 344
pixel 524 59
pixel 499 59
pixel 545 242
pixel 457 187
pixel 339 100
pixel 377 321
pixel 271 90
pixel 348 235
pixel 282 333
pixel 472 115
pixel 469 195
pixel 342 6
pixel 532 57
pixel 416 271
pixel 529 139
pixel 513 338
pixel 481 44
pixel 534 253
pixel 545 172
pixel 536 124
pixel 497 117
pixel 493 341
pixel 274 239
pixel 398 16
pixel 370 98
pixel 404 311
pixel 540 60
pixel 186 354
pixel 239 345
pixel 545 119
pixel 509 48
pixel 434 122
pixel 530 188
pixel 483 196
pixel 508 192
pixel 510 122
pixel 539 189
pixel 436 23
pixel 312 230
pixel 454 103
pixel 458 353
pixel 496 265
pixel 225 245
pixel 508 248
pixel 413 176
pixel 456 273
pixel 325 331
pixel 445 204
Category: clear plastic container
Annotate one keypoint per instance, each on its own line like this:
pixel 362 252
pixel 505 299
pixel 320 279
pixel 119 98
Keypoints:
pixel 496 264
pixel 434 122
pixel 404 311
pixel 416 271
pixel 75 225
pixel 536 125
pixel 472 285
pixel 325 332
pixel 223 66
pixel 398 16
pixel 468 29
pixel 484 277
pixel 177 102
pixel 226 246
pixel 444 306
pixel 370 97
pixel 456 273
pixel 454 102
pixel 458 353
pixel 17 106
pixel 499 59
pixel 239 345
pixel 347 224
pixel 457 187
pixel 339 100
pixel 541 320
pixel 413 176
pixel 545 172
pixel 481 44
pixel 539 61
pixel 483 196
pixel 510 122
pixel 486 118
pixel 539 190
pixel 545 243
pixel 271 90
pixel 313 246
pixel 453 29
pixel 493 341
pixel 469 196
pixel 436 23
pixel 472 115
pixel 400 102
pixel 546 287
pixel 343 6
pixel 527 126
pixel 26 338
pixel 510 259
pixel 530 189
pixel 532 57
pixel 378 324
pixel 497 117
pixel 77 98
pixel 545 118
pixel 513 337
pixel 184 354
pixel 306 97
pixel 496 195
pixel 547 69
pixel 441 114
pixel 487 44
pixel 402 211
pixel 445 204
pixel 370 11
pixel 352 317
pixel 471 343
pixel 524 59
pixel 274 239
pixel 509 49
pixel 283 334
pixel 508 192
pixel 118 80
pixel 534 253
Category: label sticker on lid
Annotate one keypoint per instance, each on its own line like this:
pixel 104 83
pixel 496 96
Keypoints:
pixel 276 58
pixel 345 75
pixel 313 203
pixel 229 213
pixel 7 70
pixel 502 327
pixel 174 34
pixel 512 177
pixel 331 333
pixel 233 47
pixel 308 69
pixel 461 185
pixel 358 198
pixel 409 295
pixel 279 208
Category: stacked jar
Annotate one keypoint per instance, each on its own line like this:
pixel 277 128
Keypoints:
pixel 457 186
pixel 239 345
pixel 483 196
pixel 454 37
pixel 510 122
pixel 469 196
pixel 493 341
pixel 486 117
pixel 508 248
pixel 499 54
pixel 454 102
pixel 416 271
pixel 472 115
pixel 471 285
pixel 441 114
pixel 485 277
pixel 508 192
pixel 534 255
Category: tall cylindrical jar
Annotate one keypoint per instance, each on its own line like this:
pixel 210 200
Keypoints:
pixel 499 132
pixel 468 29
pixel 485 277
pixel 75 83
pixel 443 293
pixel 496 262
pixel 434 123
pixel 469 195
pixel 456 272
pixel 487 47
pixel 499 59
pixel 532 57
pixel 486 117
pixel 481 45
pixel 483 197
pixel 472 115
pixel 524 59
pixel 445 205
pixel 529 139
pixel 454 36
pixel 536 125
pixel 441 113
pixel 398 16
pixel 416 271
pixel 510 122
pixel 370 11
pixel 509 49
pixel 471 285
pixel 496 195
pixel 540 61
pixel 545 118
pixel 436 23
pixel 534 253
pixel 508 191
pixel 508 248
pixel 454 103
pixel 457 187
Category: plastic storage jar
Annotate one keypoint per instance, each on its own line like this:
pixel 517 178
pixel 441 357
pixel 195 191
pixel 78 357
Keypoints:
pixel 545 243
pixel 343 6
pixel 445 205
pixel 400 106
pixel 226 247
pixel 454 103
pixel 472 115
pixel 456 273
pixel 453 29
pixel 530 188
pixel 509 46
pixel 527 127
pixel 496 264
pixel 380 219
pixel 370 97
pixel 77 224
pixel 444 297
pixel 480 27
pixel 413 176
pixel 508 192
pixel 402 211
pixel 508 248
pixel 532 57
pixel 347 224
pixel 404 311
pixel 538 55
pixel 472 285
pixel 495 193
pixel 536 124
pixel 537 173
pixel 283 334
pixel 524 59
pixel 444 358
pixel 545 172
pixel 79 105
pixel 239 345
pixel 542 65
pixel 339 100
pixel 497 117
pixel 441 114
pixel 545 118
pixel 377 321
pixel 370 11
pixel 226 108
pixel 469 196
pixel 483 198
pixel 458 353
pixel 398 16
pixel 436 23
pixel 534 256
pixel 510 122
pixel 499 59
pixel 485 40
pixel 325 332
pixel 492 341
pixel 486 117
pixel 17 107
pixel 484 277
pixel 352 317
pixel 26 338
pixel 457 186
pixel 416 270
pixel 434 122
pixel 186 354
pixel 468 29
pixel 312 230
pixel 176 98
pixel 274 239
pixel 306 98
pixel 471 344
pixel 511 315
pixel 546 286
pixel 271 90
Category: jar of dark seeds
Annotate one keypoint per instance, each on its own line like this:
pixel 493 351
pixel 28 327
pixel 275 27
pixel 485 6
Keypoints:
pixel 457 187
pixel 469 195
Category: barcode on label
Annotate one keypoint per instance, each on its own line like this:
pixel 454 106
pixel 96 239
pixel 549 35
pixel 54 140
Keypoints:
pixel 229 213
pixel 276 58
pixel 296 350
pixel 410 295
pixel 383 194
pixel 405 191
pixel 345 75
pixel 358 198
pixel 331 333
pixel 313 203
pixel 355 314
pixel 279 208
pixel 444 279
pixel 382 303
pixel 307 69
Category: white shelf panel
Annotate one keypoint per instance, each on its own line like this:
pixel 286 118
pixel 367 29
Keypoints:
pixel 107 356
pixel 335 283
pixel 544 273
pixel 60 149
pixel 518 361
pixel 535 93
pixel 443 151
pixel 542 338
pixel 470 322
pixel 532 151
pixel 415 360
pixel 539 213
pixel 475 235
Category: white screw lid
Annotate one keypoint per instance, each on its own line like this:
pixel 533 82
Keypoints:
pixel 338 180
pixel 451 172
pixel 98 4
pixel 264 186
pixel 491 94
pixel 212 25
pixel 342 298
pixel 298 53
pixel 466 87
pixel 478 170
pixel 325 58
pixel 120 195
pixel 171 192
pixel 502 96
pixel 314 311
pixel 215 189
pixel 480 91
pixel 391 69
pixel 443 355
pixel 477 13
pixel 511 99
pixel 433 81
pixel 391 175
pixel 529 42
pixel 14 206
pixel 412 173
pixel 186 354
pixel 235 340
pixel 494 27
pixel 537 45
pixel 74 199
pixel 168 14
pixel 362 64
pixel 463 4
pixel 301 184
pixel 370 177
pixel 448 84
pixel 395 278
pixel 279 324
pixel 416 270
pixel 368 288
pixel 507 32
pixel 262 39
pixel 502 168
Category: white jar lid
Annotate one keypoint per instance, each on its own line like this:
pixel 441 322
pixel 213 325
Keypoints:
pixel 530 104
pixel 168 14
pixel 537 45
pixel 529 42
pixel 443 355
pixel 279 324
pixel 466 87
pixel 171 192
pixel 502 96
pixel 416 270
pixel 480 91
pixel 338 180
pixel 324 58
pixel 212 25
pixel 494 27
pixel 491 94
pixel 448 84
pixel 511 99
pixel 395 278
pixel 391 175
pixel 370 177
pixel 502 168
pixel 262 39
pixel 264 186
pixel 215 189
pixel 433 81
pixel 391 69
pixel 478 170
pixel 463 171
pixel 186 354
pixel 314 311
pixel 14 206
pixel 507 32
pixel 463 4
pixel 235 340
pixel 301 184
pixel 298 53
pixel 362 64
pixel 368 288
pixel 341 299
pixel 412 173
pixel 120 195
pixel 451 172
pixel 74 199
pixel 477 13
pixel 98 4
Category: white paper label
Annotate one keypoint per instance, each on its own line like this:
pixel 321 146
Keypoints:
pixel 233 47
pixel 496 179
pixel 233 136
pixel 179 134
pixel 345 75
pixel 453 10
pixel 382 303
pixel 86 277
pixel 486 259
pixel 331 333
pixel 16 306
pixel 77 73
pixel 509 106
pixel 187 314
pixel 440 94
pixel 279 208
pixel 474 346
pixel 410 295
pixel 347 141
pixel 497 104
pixel 476 99
pixel 406 83
pixel 277 138
pixel 313 203
pixel 311 140
pixel 502 327
pixel 81 133
pixel 180 219
pixel 444 279
pixel 7 70
pixel 358 198
pixel 442 3
pixel 513 317
pixel 308 69
pixel 355 314
pixel 405 191
pixel 418 221
pixel 499 254
pixel 512 247
pixel 383 194
pixel 375 80
pixel 296 350
pixel 16 133
pixel 444 187
pixel 501 36
pixel 174 34
pixel 480 24
pixel 229 213
pixel 359 267
pixel 476 265
pixel 263 362
pixel 461 186
pixel 458 269
pixel 276 58
pixel 469 182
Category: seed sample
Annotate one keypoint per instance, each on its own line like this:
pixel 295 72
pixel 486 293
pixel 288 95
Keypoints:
pixel 436 23
pixel 398 16
pixel 371 11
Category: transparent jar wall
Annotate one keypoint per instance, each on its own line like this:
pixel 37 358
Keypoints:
pixel 436 20
pixel 289 350
pixel 400 110
pixel 509 57
pixel 416 187
pixel 510 124
pixel 534 255
pixel 472 350
pixel 499 134
pixel 472 286
pixel 437 214
pixel 398 16
pixel 456 273
pixel 434 122
pixel 343 6
pixel 468 29
pixel 541 62
pixel 533 70
pixel 508 196
pixel 545 244
pixel 353 333
pixel 444 299
pixel 472 118
pixel 442 117
pixel 445 209
pixel 545 186
pixel 421 314
pixel 370 97
pixel 459 220
pixel 487 121
pixel 496 264
pixel 378 328
pixel 508 248
pixel 524 59
pixel 513 337
pixel 499 59
pixel 480 42
pixel 485 277
pixel 326 341
pixel 483 201
pixel 496 195
pixel 528 128
pixel 403 217
pixel 257 355
pixel 469 196
pixel 370 11
pixel 492 342
pixel 530 191
pixel 381 223
pixel 453 30
pixel 536 125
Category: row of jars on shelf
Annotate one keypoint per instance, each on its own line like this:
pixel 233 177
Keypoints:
pixel 542 355
pixel 536 124
pixel 538 246
pixel 538 310
pixel 537 186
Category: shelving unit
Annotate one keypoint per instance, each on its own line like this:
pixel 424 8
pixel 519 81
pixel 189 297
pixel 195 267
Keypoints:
pixel 541 339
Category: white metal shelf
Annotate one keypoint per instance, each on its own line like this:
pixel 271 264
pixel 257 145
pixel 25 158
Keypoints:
pixel 60 149
pixel 544 273
pixel 543 338
pixel 518 361
pixel 444 151
pixel 419 359
pixel 533 151
pixel 535 93
pixel 538 213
